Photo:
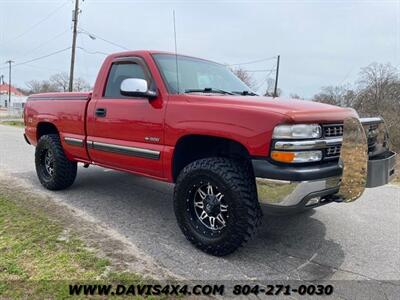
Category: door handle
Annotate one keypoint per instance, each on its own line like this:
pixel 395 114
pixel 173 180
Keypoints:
pixel 101 112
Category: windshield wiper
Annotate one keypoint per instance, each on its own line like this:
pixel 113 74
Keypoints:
pixel 208 90
pixel 245 93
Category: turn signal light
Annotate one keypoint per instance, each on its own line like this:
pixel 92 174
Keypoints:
pixel 281 156
pixel 296 157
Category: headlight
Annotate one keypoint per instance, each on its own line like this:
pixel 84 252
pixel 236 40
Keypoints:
pixel 297 131
pixel 296 157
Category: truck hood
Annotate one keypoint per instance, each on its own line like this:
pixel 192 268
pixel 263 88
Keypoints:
pixel 295 110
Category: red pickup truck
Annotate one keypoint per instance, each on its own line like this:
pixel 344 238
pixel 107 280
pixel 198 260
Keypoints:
pixel 229 152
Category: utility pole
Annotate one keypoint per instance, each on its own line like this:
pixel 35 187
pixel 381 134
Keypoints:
pixel 9 62
pixel 74 34
pixel 1 83
pixel 276 77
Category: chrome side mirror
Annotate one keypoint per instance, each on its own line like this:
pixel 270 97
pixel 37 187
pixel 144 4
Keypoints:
pixel 136 87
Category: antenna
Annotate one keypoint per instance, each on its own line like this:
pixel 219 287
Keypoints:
pixel 176 55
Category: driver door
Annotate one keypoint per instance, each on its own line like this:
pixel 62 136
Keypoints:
pixel 124 132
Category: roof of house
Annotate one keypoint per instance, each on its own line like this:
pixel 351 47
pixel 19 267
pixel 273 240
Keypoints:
pixel 14 91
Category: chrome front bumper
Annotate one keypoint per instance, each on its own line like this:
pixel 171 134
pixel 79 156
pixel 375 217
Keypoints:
pixel 292 193
pixel 358 168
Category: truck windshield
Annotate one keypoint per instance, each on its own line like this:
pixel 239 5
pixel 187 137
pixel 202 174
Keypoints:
pixel 200 76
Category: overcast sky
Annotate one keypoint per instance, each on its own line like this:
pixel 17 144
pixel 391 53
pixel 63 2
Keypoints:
pixel 320 42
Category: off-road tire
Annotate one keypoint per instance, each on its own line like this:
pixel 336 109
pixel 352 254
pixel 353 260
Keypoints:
pixel 64 170
pixel 237 181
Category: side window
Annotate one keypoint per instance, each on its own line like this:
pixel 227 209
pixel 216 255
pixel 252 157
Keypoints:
pixel 120 71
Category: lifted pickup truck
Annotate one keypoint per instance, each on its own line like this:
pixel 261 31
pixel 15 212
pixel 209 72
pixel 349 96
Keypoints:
pixel 229 152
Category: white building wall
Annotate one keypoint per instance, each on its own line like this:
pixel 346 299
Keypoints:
pixel 17 102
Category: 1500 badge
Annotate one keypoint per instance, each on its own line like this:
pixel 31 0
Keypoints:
pixel 152 139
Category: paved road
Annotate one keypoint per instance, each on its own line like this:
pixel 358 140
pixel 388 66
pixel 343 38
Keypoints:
pixel 339 241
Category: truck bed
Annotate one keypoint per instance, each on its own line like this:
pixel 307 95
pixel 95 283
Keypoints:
pixel 67 111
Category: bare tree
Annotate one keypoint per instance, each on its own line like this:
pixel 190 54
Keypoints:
pixel 296 96
pixel 336 95
pixel 269 92
pixel 245 77
pixel 378 86
pixel 40 86
pixel 61 81
pixel 377 93
pixel 56 83
pixel 81 85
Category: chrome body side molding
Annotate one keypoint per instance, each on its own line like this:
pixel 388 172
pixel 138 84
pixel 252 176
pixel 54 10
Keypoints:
pixel 124 150
pixel 73 141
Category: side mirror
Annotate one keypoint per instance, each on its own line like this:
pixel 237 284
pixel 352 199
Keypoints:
pixel 136 87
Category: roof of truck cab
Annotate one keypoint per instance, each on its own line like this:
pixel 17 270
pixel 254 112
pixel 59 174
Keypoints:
pixel 151 52
pixel 141 52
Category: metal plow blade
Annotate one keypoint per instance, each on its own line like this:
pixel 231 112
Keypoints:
pixel 353 160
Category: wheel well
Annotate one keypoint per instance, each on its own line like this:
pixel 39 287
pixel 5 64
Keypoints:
pixel 45 128
pixel 194 147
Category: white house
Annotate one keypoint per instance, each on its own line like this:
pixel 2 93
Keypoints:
pixel 18 99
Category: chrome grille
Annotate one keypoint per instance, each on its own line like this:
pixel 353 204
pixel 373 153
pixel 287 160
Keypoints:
pixel 333 130
pixel 332 152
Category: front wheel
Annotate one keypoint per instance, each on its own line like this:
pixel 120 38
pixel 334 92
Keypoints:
pixel 54 170
pixel 216 205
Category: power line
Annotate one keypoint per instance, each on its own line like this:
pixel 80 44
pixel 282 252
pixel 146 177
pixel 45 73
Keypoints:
pixel 91 52
pixel 84 62
pixel 253 62
pixel 103 39
pixel 43 68
pixel 37 24
pixel 265 80
pixel 47 69
pixel 46 42
pixel 40 57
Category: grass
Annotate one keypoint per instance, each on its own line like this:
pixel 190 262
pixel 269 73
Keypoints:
pixel 396 179
pixel 38 261
pixel 13 123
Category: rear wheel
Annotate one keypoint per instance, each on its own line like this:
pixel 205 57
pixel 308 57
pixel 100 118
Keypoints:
pixel 54 170
pixel 216 204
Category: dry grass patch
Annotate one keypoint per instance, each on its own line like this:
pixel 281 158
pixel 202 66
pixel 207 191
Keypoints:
pixel 396 179
pixel 37 261
pixel 13 123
